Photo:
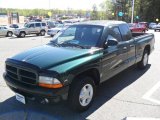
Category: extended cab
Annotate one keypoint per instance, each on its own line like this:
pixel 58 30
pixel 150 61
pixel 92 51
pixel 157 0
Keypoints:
pixel 38 28
pixel 76 61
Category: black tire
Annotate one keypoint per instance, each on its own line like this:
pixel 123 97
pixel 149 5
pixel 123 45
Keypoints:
pixel 37 34
pixel 9 34
pixel 22 34
pixel 42 33
pixel 75 90
pixel 144 62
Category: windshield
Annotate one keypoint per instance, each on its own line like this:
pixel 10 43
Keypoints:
pixel 85 36
pixel 26 25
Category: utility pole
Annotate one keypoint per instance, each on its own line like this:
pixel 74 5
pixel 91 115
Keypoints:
pixel 50 7
pixel 132 11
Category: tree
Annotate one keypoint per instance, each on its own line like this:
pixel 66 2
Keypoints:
pixel 94 15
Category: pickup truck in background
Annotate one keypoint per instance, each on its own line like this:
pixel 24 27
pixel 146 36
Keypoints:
pixel 76 61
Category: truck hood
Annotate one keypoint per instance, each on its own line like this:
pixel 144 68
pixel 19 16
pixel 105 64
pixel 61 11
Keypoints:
pixel 47 56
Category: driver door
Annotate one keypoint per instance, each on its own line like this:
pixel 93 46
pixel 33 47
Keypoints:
pixel 115 56
pixel 31 28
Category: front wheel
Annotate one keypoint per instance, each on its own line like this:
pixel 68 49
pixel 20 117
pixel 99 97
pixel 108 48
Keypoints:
pixel 144 62
pixel 22 34
pixel 82 93
pixel 42 33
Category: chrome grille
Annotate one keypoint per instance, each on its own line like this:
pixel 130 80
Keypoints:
pixel 21 75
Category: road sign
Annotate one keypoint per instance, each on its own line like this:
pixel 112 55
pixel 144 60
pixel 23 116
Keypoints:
pixel 120 14
pixel 49 14
pixel 137 17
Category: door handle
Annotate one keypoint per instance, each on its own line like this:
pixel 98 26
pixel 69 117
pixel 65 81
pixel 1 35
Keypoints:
pixel 124 48
pixel 131 45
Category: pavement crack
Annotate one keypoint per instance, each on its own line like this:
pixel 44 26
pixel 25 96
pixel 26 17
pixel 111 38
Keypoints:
pixel 139 103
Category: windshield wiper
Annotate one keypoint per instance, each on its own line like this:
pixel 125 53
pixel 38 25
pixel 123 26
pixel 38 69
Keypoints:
pixel 55 44
pixel 73 44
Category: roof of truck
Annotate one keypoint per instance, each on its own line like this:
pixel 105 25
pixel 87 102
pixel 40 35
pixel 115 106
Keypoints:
pixel 102 22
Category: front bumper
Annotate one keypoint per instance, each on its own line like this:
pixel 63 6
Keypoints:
pixel 51 33
pixel 36 92
pixel 16 33
pixel 157 28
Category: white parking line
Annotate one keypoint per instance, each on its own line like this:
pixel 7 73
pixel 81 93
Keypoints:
pixel 136 118
pixel 147 96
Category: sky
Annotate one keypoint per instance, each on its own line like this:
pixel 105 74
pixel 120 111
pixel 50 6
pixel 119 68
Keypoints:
pixel 52 4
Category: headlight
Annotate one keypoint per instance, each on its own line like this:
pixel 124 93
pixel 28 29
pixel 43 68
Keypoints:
pixel 49 82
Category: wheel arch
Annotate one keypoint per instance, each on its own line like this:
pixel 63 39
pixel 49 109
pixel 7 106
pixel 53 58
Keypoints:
pixel 148 48
pixel 92 72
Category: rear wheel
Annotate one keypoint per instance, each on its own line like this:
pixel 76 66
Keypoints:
pixel 144 62
pixel 9 34
pixel 82 93
pixel 22 34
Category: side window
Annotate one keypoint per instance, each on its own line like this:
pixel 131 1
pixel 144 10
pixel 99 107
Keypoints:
pixel 38 24
pixel 43 24
pixel 125 31
pixel 114 33
pixel 31 26
pixel 67 35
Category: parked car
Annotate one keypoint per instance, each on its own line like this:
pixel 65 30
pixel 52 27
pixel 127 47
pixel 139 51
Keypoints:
pixel 76 61
pixel 136 27
pixel 4 31
pixel 67 22
pixel 157 27
pixel 54 31
pixel 52 24
pixel 152 25
pixel 14 26
pixel 145 24
pixel 38 28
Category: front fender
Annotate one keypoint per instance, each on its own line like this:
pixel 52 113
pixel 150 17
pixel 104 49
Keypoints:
pixel 76 67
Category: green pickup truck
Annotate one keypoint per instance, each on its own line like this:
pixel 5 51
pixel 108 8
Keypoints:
pixel 76 61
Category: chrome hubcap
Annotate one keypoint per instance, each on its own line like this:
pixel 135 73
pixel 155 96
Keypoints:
pixel 9 34
pixel 145 59
pixel 22 34
pixel 42 33
pixel 86 95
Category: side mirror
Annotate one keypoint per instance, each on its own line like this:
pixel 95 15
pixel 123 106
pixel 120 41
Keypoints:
pixel 111 42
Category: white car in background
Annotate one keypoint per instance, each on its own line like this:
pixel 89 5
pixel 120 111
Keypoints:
pixel 54 31
pixel 157 27
pixel 152 25
pixel 5 31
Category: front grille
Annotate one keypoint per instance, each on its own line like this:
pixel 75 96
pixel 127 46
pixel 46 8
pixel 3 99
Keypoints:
pixel 21 74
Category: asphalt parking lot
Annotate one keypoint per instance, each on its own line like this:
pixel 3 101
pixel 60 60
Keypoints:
pixel 131 94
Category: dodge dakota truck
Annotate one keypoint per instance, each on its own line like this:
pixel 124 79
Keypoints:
pixel 76 61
